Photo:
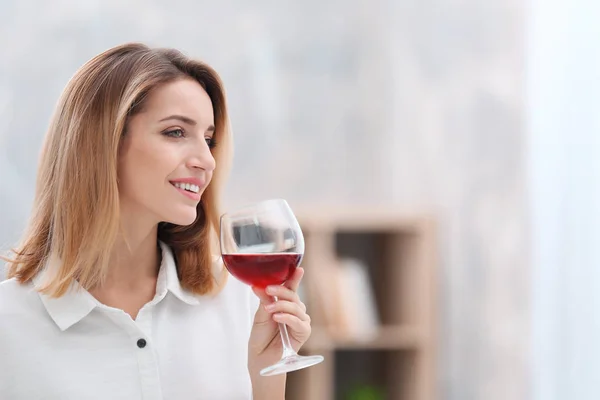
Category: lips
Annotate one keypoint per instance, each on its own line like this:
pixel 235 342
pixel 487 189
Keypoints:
pixel 189 187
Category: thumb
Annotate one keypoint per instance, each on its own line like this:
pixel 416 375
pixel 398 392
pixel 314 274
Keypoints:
pixel 262 315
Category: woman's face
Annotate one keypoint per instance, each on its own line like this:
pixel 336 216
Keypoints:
pixel 165 159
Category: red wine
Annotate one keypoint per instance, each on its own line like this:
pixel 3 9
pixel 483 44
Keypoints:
pixel 262 270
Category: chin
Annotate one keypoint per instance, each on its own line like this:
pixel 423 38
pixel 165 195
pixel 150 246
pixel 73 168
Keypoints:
pixel 181 218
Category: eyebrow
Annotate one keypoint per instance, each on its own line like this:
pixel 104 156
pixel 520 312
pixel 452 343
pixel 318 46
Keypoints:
pixel 186 120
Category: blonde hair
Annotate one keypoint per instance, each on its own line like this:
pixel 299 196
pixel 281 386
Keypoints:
pixel 76 213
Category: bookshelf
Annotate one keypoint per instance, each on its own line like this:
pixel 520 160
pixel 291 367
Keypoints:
pixel 395 356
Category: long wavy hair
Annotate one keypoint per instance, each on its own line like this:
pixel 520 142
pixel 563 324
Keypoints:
pixel 75 218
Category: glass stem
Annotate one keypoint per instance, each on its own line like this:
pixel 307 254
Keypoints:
pixel 288 350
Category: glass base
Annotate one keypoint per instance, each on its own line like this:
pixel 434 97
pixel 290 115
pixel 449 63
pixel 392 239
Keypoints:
pixel 291 363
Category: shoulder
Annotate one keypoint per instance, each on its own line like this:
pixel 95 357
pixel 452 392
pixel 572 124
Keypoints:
pixel 21 316
pixel 18 301
pixel 228 285
pixel 234 291
pixel 11 289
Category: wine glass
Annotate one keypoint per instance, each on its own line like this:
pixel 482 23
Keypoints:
pixel 261 245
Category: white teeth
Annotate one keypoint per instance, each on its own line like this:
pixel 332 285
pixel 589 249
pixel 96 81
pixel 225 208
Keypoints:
pixel 187 186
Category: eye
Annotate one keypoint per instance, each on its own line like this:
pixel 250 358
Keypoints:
pixel 211 142
pixel 175 133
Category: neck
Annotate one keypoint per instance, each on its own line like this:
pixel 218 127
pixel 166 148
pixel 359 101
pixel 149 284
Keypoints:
pixel 133 272
pixel 135 258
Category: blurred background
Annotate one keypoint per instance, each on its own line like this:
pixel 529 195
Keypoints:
pixel 478 116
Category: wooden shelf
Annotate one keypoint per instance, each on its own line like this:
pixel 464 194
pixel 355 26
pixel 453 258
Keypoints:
pixel 388 338
pixel 396 253
pixel 373 220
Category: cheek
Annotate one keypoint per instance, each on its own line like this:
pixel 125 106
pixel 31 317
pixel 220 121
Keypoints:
pixel 144 167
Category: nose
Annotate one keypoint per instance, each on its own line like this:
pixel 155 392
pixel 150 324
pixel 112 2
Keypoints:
pixel 201 158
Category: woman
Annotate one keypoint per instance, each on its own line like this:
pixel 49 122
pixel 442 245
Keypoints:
pixel 115 291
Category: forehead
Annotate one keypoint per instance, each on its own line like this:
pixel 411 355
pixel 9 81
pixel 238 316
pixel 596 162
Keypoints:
pixel 181 97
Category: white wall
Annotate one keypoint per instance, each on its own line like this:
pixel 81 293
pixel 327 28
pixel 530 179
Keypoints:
pixel 564 148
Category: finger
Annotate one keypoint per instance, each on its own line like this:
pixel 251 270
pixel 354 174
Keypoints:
pixel 288 307
pixel 299 327
pixel 283 293
pixel 295 279
pixel 262 295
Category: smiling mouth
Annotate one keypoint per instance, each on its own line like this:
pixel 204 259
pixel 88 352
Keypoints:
pixel 189 187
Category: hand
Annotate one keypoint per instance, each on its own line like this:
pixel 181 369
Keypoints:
pixel 265 347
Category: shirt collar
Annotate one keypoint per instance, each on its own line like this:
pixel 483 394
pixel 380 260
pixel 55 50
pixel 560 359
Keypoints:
pixel 168 278
pixel 77 302
pixel 70 308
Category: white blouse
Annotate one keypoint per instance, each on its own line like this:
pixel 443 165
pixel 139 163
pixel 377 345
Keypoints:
pixel 181 346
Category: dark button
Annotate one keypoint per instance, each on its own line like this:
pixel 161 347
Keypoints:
pixel 141 343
